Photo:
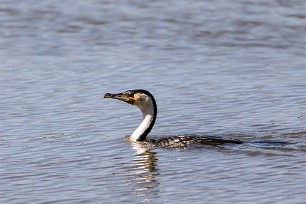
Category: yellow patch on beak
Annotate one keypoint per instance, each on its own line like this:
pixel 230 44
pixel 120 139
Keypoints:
pixel 131 100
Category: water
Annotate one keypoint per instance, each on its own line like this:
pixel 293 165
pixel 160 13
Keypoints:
pixel 218 68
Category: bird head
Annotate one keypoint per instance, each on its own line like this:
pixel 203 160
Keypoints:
pixel 138 97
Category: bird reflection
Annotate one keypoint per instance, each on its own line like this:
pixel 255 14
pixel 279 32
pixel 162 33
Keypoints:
pixel 144 179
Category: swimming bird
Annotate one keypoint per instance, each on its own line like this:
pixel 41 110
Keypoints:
pixel 145 101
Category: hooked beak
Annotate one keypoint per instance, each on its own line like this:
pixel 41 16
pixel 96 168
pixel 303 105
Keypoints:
pixel 122 97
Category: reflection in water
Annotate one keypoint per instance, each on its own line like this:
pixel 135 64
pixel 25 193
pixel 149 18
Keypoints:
pixel 144 174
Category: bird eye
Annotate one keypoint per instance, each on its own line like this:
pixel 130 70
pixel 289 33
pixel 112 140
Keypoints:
pixel 130 94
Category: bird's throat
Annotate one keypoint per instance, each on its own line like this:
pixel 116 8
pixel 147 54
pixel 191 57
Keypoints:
pixel 149 112
pixel 143 129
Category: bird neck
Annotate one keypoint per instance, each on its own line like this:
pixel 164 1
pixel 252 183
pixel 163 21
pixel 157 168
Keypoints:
pixel 149 112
